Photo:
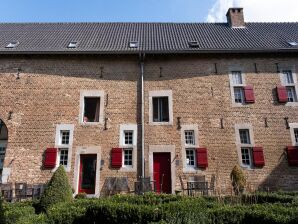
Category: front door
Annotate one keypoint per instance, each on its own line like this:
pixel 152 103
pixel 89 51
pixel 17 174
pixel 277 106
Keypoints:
pixel 162 172
pixel 87 174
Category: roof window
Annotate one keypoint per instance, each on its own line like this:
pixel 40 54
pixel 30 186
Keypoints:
pixel 293 43
pixel 133 44
pixel 72 44
pixel 12 44
pixel 193 44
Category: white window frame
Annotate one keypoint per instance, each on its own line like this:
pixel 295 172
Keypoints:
pixel 184 147
pixel 285 84
pixel 232 69
pixel 3 144
pixel 59 145
pixel 91 93
pixel 161 93
pixel 133 146
pixel 239 145
pixel 292 127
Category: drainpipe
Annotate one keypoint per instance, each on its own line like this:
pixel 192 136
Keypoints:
pixel 142 57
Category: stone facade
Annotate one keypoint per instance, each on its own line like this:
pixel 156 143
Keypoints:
pixel 47 93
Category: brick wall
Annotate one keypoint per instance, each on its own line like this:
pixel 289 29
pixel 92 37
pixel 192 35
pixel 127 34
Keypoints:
pixel 48 93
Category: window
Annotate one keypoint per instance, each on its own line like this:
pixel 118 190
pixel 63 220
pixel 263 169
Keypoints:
pixel 91 109
pixel 128 137
pixel 133 44
pixel 127 157
pixel 296 135
pixel 237 87
pixel 246 156
pixel 244 136
pixel 190 158
pixel 13 44
pixel 289 82
pixel 189 137
pixel 245 145
pixel 64 139
pixel 2 154
pixel 72 44
pixel 160 109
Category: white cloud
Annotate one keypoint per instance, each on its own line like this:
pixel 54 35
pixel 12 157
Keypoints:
pixel 256 10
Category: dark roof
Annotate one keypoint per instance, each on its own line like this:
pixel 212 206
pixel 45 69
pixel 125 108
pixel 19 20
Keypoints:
pixel 100 38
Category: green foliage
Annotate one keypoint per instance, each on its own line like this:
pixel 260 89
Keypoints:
pixel 81 195
pixel 238 180
pixel 2 217
pixel 58 190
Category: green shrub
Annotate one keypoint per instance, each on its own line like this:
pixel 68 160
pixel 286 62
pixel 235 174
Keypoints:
pixel 57 190
pixel 238 180
pixel 2 217
pixel 81 195
pixel 15 211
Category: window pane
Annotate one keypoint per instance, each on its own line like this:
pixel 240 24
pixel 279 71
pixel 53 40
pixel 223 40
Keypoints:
pixel 296 134
pixel 237 77
pixel 190 157
pixel 91 109
pixel 155 109
pixel 245 154
pixel 244 136
pixel 239 95
pixel 288 77
pixel 63 157
pixel 128 157
pixel 292 97
pixel 160 109
pixel 128 137
pixel 189 137
pixel 164 109
pixel 64 137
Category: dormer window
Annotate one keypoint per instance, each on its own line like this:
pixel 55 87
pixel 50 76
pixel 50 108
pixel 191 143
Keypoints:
pixel 133 44
pixel 193 44
pixel 13 44
pixel 72 44
pixel 293 43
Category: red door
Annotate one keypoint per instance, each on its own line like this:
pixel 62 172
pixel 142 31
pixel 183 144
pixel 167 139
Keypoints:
pixel 87 174
pixel 162 172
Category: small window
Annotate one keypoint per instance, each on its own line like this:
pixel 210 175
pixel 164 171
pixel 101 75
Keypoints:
pixel 296 134
pixel 288 77
pixel 237 77
pixel 128 137
pixel 127 157
pixel 292 96
pixel 64 137
pixel 239 94
pixel 293 43
pixel 72 44
pixel 12 44
pixel 160 109
pixel 133 44
pixel 246 156
pixel 91 109
pixel 190 157
pixel 189 137
pixel 244 136
pixel 193 44
pixel 63 156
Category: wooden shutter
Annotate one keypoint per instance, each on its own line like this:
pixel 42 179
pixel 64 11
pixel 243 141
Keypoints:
pixel 202 158
pixel 282 95
pixel 292 152
pixel 258 157
pixel 249 94
pixel 50 158
pixel 116 158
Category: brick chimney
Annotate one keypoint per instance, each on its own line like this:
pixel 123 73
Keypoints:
pixel 235 17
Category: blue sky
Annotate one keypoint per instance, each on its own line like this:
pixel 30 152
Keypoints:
pixel 104 10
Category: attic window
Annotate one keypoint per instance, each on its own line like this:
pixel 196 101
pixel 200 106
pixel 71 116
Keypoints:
pixel 293 43
pixel 12 44
pixel 133 44
pixel 193 44
pixel 72 44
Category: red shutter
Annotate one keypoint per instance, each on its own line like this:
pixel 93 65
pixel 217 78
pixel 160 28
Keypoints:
pixel 282 94
pixel 258 156
pixel 50 158
pixel 202 158
pixel 116 158
pixel 292 155
pixel 249 94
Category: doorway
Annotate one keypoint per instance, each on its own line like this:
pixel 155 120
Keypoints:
pixel 87 176
pixel 162 172
pixel 3 143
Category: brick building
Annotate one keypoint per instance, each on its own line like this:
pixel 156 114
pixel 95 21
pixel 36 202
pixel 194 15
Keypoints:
pixel 162 100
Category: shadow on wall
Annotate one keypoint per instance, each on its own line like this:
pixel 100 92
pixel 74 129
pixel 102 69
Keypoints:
pixel 282 177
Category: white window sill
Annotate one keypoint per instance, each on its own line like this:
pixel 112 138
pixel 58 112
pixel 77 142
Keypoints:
pixel 190 170
pixel 127 169
pixel 246 167
pixel 291 104
pixel 91 123
pixel 161 123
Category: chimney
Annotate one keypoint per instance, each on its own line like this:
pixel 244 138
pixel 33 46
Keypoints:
pixel 235 17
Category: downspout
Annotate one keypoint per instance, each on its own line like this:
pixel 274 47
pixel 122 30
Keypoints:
pixel 142 57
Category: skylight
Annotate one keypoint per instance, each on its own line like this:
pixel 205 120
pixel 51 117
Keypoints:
pixel 12 44
pixel 72 44
pixel 193 43
pixel 133 44
pixel 293 43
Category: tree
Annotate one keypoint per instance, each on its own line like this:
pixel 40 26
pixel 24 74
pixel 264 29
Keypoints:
pixel 238 180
